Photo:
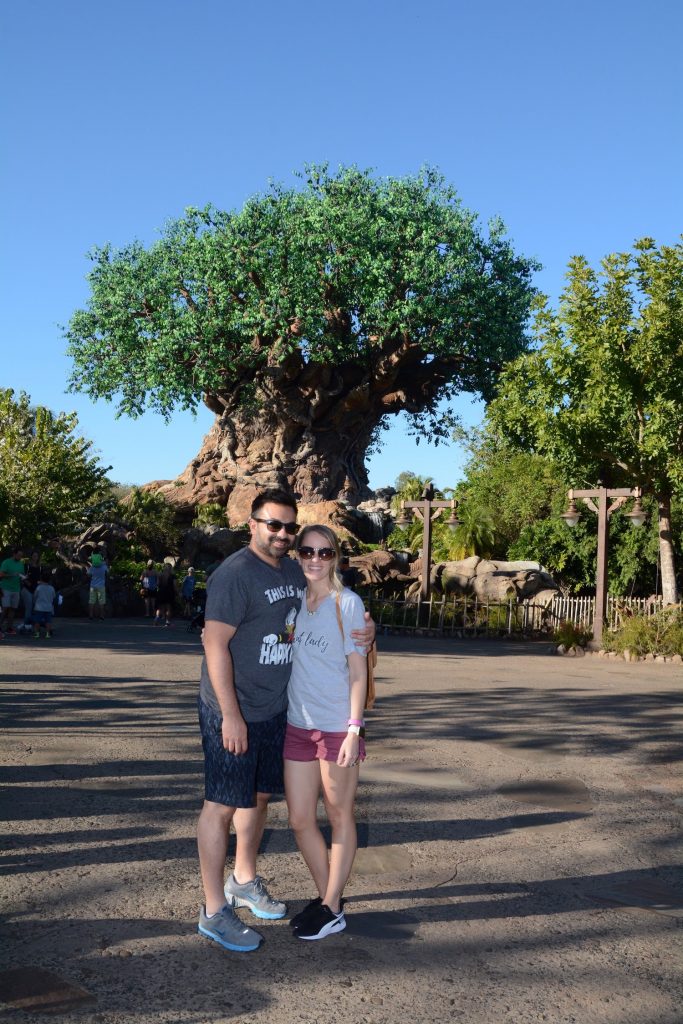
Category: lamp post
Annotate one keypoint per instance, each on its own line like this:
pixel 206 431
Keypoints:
pixel 603 496
pixel 427 509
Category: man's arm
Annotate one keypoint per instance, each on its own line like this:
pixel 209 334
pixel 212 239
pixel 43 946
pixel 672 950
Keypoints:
pixel 365 637
pixel 216 637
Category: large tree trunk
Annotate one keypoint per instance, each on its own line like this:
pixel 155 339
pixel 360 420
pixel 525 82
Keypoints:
pixel 305 426
pixel 666 553
pixel 244 454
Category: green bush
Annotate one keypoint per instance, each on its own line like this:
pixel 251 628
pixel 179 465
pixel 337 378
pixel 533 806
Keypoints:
pixel 571 635
pixel 661 633
pixel 129 568
pixel 152 520
pixel 211 514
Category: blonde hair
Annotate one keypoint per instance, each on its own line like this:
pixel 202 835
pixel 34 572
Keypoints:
pixel 331 537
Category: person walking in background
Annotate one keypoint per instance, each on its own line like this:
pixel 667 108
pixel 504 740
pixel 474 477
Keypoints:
pixel 187 592
pixel 97 571
pixel 44 606
pixel 165 596
pixel 149 584
pixel 323 742
pixel 32 578
pixel 11 576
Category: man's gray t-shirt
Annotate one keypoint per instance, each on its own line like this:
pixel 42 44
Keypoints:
pixel 262 603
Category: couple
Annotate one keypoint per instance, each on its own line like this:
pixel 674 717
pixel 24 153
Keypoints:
pixel 269 617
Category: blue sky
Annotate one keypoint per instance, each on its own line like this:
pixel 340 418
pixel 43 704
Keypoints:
pixel 564 118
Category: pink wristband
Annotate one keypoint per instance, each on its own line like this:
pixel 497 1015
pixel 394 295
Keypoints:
pixel 356 721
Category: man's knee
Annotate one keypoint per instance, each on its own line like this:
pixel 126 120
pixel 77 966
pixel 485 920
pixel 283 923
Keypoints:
pixel 218 813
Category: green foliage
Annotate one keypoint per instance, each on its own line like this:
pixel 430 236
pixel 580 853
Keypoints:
pixel 661 633
pixel 600 395
pixel 571 635
pixel 474 536
pixel 506 486
pixel 211 514
pixel 153 521
pixel 129 568
pixel 50 481
pixel 570 554
pixel 120 491
pixel 387 285
pixel 601 392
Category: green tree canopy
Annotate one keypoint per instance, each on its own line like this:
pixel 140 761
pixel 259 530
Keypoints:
pixel 50 482
pixel 304 320
pixel 600 394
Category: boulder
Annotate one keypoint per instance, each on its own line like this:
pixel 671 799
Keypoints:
pixel 489 580
pixel 493 586
pixel 204 545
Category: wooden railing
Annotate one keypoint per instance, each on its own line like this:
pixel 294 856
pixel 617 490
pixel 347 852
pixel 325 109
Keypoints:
pixel 454 615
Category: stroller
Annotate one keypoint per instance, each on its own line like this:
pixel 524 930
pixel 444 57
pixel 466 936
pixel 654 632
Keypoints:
pixel 196 622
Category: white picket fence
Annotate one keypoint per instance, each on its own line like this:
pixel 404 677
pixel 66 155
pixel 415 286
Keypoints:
pixel 467 616
pixel 579 610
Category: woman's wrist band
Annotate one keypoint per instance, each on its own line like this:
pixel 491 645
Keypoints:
pixel 356 721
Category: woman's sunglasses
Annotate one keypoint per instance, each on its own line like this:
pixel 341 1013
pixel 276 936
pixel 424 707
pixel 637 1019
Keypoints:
pixel 274 525
pixel 324 554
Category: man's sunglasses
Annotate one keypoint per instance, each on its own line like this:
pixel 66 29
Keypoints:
pixel 324 554
pixel 274 525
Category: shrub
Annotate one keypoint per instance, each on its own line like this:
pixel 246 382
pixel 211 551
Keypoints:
pixel 661 633
pixel 211 514
pixel 129 568
pixel 571 635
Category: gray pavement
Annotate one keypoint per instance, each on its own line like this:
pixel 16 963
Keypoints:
pixel 519 826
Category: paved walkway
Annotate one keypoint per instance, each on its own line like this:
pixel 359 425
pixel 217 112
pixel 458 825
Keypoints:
pixel 519 821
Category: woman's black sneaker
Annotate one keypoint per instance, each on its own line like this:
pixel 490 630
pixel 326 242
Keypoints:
pixel 320 923
pixel 303 914
pixel 299 918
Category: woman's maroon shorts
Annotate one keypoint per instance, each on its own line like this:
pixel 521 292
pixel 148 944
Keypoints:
pixel 312 745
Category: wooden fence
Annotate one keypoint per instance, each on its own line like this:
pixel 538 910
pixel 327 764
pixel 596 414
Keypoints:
pixel 467 616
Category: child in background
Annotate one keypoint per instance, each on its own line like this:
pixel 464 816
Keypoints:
pixel 97 572
pixel 44 599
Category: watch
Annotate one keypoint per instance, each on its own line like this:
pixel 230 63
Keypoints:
pixel 357 730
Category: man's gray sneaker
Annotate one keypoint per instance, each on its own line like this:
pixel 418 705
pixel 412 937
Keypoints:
pixel 255 897
pixel 227 930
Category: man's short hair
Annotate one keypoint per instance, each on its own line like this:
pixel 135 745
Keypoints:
pixel 274 497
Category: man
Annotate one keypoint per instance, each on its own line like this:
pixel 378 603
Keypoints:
pixel 11 575
pixel 252 601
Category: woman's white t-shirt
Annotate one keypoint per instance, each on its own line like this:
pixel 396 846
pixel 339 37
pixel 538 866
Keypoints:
pixel 318 693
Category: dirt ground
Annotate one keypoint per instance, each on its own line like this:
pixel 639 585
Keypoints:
pixel 519 826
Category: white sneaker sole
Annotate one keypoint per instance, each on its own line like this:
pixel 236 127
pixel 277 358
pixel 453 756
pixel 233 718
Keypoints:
pixel 331 928
pixel 225 944
pixel 264 915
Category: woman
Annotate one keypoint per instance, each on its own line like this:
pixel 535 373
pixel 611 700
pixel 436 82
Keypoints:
pixel 149 581
pixel 323 744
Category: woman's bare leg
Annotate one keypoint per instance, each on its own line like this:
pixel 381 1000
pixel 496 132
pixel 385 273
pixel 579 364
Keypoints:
pixel 339 792
pixel 302 787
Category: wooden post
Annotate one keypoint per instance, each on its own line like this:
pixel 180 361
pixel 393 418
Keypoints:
pixel 601 569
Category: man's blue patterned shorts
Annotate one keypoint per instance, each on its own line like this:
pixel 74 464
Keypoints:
pixel 235 779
